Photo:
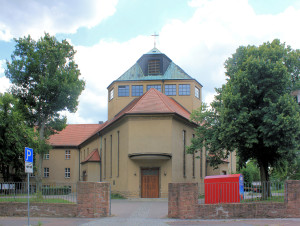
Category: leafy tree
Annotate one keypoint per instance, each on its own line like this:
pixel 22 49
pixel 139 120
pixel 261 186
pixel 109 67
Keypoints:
pixel 250 172
pixel 253 113
pixel 15 134
pixel 287 170
pixel 46 80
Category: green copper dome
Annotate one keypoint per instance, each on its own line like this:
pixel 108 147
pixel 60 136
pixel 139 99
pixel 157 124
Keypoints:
pixel 154 65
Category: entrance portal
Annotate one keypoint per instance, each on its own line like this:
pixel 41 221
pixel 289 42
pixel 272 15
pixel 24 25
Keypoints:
pixel 150 183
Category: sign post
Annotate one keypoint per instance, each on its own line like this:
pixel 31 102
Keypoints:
pixel 28 170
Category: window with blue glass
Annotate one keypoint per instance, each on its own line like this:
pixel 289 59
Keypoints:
pixel 158 87
pixel 136 90
pixel 197 92
pixel 170 90
pixel 123 91
pixel 184 90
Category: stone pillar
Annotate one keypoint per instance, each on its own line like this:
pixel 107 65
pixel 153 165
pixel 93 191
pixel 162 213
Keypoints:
pixel 93 199
pixel 183 200
pixel 292 198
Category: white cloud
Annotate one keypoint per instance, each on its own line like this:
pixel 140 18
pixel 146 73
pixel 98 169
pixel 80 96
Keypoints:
pixel 19 18
pixel 217 28
pixel 199 45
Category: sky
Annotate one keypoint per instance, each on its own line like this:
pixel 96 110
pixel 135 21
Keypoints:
pixel 111 35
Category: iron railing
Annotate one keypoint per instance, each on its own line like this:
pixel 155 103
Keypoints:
pixel 44 192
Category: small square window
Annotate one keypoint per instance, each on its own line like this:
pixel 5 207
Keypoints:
pixel 184 90
pixel 170 90
pixel 68 154
pixel 67 172
pixel 136 90
pixel 111 94
pixel 46 172
pixel 197 92
pixel 123 91
pixel 158 87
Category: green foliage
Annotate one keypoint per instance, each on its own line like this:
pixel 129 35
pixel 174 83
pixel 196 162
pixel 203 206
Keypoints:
pixel 15 135
pixel 45 78
pixel 116 196
pixel 63 190
pixel 254 113
pixel 250 172
pixel 287 169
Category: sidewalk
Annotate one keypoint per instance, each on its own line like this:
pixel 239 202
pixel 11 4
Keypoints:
pixel 135 221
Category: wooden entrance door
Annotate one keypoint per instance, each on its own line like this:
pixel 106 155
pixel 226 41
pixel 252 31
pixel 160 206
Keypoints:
pixel 150 183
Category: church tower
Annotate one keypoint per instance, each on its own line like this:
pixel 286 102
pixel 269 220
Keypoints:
pixel 154 70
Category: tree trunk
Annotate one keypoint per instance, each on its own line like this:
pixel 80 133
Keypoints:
pixel 39 175
pixel 264 178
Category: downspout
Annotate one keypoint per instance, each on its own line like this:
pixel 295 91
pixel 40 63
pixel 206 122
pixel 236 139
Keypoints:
pixel 79 163
pixel 100 157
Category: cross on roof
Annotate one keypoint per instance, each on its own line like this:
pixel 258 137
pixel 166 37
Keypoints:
pixel 154 36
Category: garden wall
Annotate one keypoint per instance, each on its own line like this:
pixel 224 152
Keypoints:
pixel 183 203
pixel 93 200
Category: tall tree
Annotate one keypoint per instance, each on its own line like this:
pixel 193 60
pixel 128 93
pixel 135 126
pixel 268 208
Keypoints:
pixel 45 78
pixel 253 113
pixel 15 134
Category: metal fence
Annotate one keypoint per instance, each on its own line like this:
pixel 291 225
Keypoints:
pixel 235 192
pixel 44 192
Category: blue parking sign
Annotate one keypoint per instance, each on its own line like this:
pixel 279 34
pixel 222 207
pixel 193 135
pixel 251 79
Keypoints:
pixel 28 154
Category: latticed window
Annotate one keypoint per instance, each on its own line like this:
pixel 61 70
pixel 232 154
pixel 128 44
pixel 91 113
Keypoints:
pixel 136 90
pixel 123 91
pixel 111 94
pixel 158 87
pixel 68 154
pixel 46 156
pixel 184 90
pixel 170 90
pixel 46 172
pixel 197 92
pixel 153 67
pixel 67 172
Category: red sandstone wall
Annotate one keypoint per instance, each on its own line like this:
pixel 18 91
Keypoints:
pixel 183 203
pixel 38 209
pixel 93 200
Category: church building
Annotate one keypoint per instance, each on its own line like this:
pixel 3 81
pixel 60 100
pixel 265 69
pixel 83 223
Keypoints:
pixel 142 146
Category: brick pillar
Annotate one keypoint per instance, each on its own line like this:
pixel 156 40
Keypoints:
pixel 292 198
pixel 183 200
pixel 93 199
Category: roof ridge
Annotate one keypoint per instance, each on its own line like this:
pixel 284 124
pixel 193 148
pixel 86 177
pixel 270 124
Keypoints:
pixel 138 100
pixel 159 94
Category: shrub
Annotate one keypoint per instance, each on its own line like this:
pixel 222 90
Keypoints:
pixel 65 190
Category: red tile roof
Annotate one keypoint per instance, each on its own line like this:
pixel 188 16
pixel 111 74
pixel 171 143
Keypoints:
pixel 74 134
pixel 152 102
pixel 92 157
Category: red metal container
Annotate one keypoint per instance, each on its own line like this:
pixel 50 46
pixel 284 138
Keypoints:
pixel 224 188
